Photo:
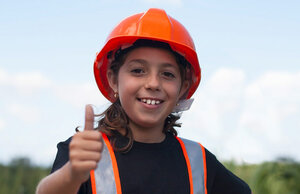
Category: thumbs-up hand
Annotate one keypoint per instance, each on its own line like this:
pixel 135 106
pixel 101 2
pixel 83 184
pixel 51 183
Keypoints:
pixel 85 149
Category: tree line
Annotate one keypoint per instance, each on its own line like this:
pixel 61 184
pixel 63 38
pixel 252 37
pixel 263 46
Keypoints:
pixel 20 176
pixel 277 177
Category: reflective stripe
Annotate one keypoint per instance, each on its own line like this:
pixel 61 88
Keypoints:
pixel 92 175
pixel 188 164
pixel 106 176
pixel 196 164
pixel 105 179
pixel 204 167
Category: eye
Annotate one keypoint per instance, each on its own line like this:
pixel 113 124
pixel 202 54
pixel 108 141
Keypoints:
pixel 137 71
pixel 168 74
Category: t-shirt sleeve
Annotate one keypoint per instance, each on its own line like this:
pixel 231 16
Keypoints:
pixel 62 157
pixel 220 180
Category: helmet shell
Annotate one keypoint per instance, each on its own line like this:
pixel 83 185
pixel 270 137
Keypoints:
pixel 156 25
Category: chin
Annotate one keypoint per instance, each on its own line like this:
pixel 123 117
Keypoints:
pixel 148 123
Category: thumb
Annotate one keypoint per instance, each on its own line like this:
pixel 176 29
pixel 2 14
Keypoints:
pixel 89 118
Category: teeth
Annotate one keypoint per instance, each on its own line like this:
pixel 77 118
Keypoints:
pixel 152 102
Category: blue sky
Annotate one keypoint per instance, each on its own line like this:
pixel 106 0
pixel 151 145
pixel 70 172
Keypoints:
pixel 246 108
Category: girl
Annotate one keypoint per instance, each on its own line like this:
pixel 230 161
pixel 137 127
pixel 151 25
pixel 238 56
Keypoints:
pixel 148 69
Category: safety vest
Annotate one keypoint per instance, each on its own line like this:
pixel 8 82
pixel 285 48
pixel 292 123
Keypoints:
pixel 105 178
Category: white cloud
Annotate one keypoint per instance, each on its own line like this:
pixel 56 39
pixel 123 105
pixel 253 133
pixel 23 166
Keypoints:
pixel 33 83
pixel 226 85
pixel 3 77
pixel 279 84
pixel 79 95
pixel 30 82
pixel 274 94
pixel 26 82
pixel 25 113
pixel 246 121
pixel 2 124
pixel 270 102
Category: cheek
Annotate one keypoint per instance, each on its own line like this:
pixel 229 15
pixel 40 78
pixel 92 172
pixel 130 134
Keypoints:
pixel 173 89
pixel 126 87
pixel 125 83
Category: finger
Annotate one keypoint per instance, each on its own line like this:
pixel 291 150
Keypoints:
pixel 92 146
pixel 102 143
pixel 89 118
pixel 84 166
pixel 78 143
pixel 85 156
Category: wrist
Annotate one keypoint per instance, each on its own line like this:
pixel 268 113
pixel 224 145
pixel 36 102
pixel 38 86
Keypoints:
pixel 71 178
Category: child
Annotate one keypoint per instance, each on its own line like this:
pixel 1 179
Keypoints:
pixel 148 69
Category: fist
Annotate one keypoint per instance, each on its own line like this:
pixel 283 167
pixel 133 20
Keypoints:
pixel 85 149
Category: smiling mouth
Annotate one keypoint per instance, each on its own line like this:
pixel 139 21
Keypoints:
pixel 150 101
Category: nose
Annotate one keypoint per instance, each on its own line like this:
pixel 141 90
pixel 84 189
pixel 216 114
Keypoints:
pixel 153 82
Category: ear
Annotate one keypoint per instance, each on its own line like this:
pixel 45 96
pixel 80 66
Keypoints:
pixel 184 87
pixel 112 80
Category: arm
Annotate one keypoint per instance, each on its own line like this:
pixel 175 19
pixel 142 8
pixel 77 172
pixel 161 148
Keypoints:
pixel 221 180
pixel 60 181
pixel 85 152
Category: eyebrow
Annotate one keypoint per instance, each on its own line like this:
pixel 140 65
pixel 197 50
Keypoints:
pixel 144 62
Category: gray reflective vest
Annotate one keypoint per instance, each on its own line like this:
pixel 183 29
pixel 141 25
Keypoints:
pixel 105 178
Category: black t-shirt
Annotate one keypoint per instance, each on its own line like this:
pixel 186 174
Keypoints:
pixel 160 168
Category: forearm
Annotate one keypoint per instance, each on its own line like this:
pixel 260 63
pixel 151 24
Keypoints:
pixel 59 182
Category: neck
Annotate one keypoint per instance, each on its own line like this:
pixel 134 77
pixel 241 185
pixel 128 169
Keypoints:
pixel 147 135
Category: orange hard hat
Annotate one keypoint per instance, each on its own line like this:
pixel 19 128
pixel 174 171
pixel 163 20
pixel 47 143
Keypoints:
pixel 155 25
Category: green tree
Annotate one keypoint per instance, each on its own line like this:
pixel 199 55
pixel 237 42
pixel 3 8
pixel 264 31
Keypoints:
pixel 278 177
pixel 20 177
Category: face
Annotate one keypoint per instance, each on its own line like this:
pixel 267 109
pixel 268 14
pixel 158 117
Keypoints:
pixel 149 85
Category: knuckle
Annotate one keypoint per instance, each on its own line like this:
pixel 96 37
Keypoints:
pixel 76 135
pixel 94 134
pixel 74 165
pixel 97 147
pixel 98 135
pixel 73 145
pixel 94 165
pixel 97 157
pixel 89 133
pixel 101 146
pixel 73 155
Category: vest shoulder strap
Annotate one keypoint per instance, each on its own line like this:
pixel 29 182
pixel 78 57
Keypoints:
pixel 195 158
pixel 105 178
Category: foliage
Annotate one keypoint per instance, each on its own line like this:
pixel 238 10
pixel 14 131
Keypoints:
pixel 20 177
pixel 277 178
pixel 281 176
